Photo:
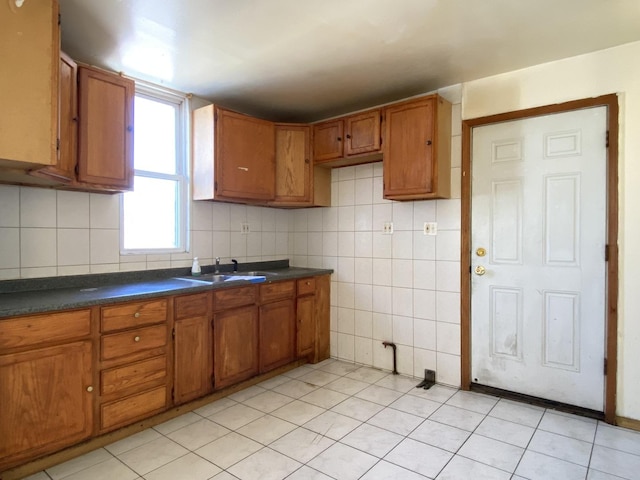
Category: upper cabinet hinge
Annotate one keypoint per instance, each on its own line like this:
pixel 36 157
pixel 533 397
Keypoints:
pixel 173 333
pixel 607 139
pixel 606 253
pixel 605 366
pixel 58 144
pixel 59 19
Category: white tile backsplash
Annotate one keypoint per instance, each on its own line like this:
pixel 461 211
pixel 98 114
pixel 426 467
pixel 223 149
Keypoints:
pixel 73 246
pixel 9 206
pixel 37 208
pixel 73 210
pixel 104 211
pixel 10 250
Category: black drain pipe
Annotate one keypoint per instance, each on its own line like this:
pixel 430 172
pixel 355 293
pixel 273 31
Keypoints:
pixel 392 345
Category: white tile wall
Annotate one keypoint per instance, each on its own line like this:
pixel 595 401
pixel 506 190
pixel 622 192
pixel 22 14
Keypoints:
pixel 403 287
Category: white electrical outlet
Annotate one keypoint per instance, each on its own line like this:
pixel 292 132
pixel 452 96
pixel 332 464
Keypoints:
pixel 244 228
pixel 387 228
pixel 430 228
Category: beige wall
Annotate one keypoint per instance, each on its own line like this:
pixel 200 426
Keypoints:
pixel 615 70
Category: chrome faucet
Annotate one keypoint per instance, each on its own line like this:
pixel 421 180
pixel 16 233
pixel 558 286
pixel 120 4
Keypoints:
pixel 217 270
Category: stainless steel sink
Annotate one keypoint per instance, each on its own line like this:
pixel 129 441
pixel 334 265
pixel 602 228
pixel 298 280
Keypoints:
pixel 208 278
pixel 256 273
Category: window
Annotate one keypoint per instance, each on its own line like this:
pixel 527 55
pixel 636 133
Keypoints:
pixel 153 215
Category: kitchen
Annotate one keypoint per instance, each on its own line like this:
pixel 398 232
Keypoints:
pixel 322 238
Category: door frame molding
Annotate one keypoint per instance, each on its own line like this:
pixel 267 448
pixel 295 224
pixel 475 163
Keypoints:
pixel 611 320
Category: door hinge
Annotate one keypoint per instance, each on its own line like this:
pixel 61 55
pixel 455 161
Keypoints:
pixel 606 253
pixel 59 18
pixel 57 144
pixel 215 186
pixel 605 366
pixel 173 333
pixel 213 381
pixel 173 396
pixel 607 139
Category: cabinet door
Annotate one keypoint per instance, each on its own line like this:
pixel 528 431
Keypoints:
pixel 305 319
pixel 327 141
pixel 45 402
pixel 235 345
pixel 362 133
pixel 244 157
pixel 105 130
pixel 294 175
pixel 277 334
pixel 192 354
pixel 416 154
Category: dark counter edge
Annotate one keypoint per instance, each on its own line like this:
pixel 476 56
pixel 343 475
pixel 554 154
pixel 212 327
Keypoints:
pixel 65 289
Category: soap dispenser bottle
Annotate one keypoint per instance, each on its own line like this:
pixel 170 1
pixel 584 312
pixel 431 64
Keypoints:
pixel 195 268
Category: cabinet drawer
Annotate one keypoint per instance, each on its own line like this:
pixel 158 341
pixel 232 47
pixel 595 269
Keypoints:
pixel 306 286
pixel 37 329
pixel 190 306
pixel 234 297
pixel 132 341
pixel 133 315
pixel 119 379
pixel 127 410
pixel 276 291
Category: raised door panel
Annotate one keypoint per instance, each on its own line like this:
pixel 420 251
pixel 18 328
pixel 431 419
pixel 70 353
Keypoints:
pixel 192 358
pixel 105 131
pixel 306 326
pixel 135 407
pixel 244 157
pixel 321 315
pixel 294 175
pixel 362 133
pixel 277 334
pixel 45 402
pixel 235 345
pixel 328 141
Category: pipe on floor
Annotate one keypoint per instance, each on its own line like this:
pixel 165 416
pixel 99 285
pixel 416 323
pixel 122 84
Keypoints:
pixel 392 345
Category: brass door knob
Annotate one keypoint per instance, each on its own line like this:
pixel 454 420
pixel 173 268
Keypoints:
pixel 481 252
pixel 136 339
pixel 479 270
pixel 89 389
pixel 136 315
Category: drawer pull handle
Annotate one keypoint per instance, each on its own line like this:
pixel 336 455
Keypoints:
pixel 137 314
pixel 307 283
pixel 89 389
pixel 136 339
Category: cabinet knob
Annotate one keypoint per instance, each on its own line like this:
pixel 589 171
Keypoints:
pixel 89 389
pixel 428 142
pixel 348 136
pixel 339 139
pixel 307 283
pixel 136 339
pixel 137 314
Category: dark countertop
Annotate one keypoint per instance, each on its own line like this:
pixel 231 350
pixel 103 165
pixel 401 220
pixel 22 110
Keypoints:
pixel 27 296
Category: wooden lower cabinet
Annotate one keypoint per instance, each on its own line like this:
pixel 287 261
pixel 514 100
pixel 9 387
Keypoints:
pixel 277 334
pixel 306 332
pixel 46 402
pixel 235 345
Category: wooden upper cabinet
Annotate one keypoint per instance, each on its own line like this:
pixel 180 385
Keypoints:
pixel 29 48
pixel 362 133
pixel 105 130
pixel 417 149
pixel 328 140
pixel 233 156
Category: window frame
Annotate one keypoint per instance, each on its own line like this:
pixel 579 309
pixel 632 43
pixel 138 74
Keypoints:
pixel 181 103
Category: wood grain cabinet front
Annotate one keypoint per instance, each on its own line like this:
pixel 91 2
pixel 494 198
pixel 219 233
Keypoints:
pixel 277 324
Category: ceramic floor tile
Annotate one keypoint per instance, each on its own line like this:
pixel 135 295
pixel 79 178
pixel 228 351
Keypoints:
pixel 460 468
pixel 440 435
pixel 298 372
pixel 224 476
pixel 398 382
pixel 559 446
pixel 572 426
pixel 457 417
pixel 615 462
pixel 38 476
pixel 308 473
pixel 266 429
pixel 437 393
pixel 228 450
pixel 348 386
pixel 596 475
pixel 395 421
pixel 324 398
pixel 377 394
pixel 491 452
pixel 415 405
pixel 361 410
pixel 473 401
pixel 325 363
pixel 177 423
pixel 332 425
pixel 106 470
pixel 215 407
pixel 152 455
pixel 319 378
pixel 372 440
pixel 298 412
pixel 536 466
pixel 133 441
pixel 388 471
pixel 508 432
pixel 295 389
pixel 246 393
pixel 265 464
pixel 517 412
pixel 618 438
pixel 343 462
pixel 340 368
pixel 419 457
pixel 302 444
pixel 198 434
pixel 189 467
pixel 80 463
pixel 367 374
pixel 274 382
pixel 236 416
pixel 268 401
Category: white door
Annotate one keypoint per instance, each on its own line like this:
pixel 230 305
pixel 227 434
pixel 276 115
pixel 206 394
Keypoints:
pixel 538 288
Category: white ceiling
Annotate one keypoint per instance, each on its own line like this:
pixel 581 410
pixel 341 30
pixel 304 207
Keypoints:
pixel 303 60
